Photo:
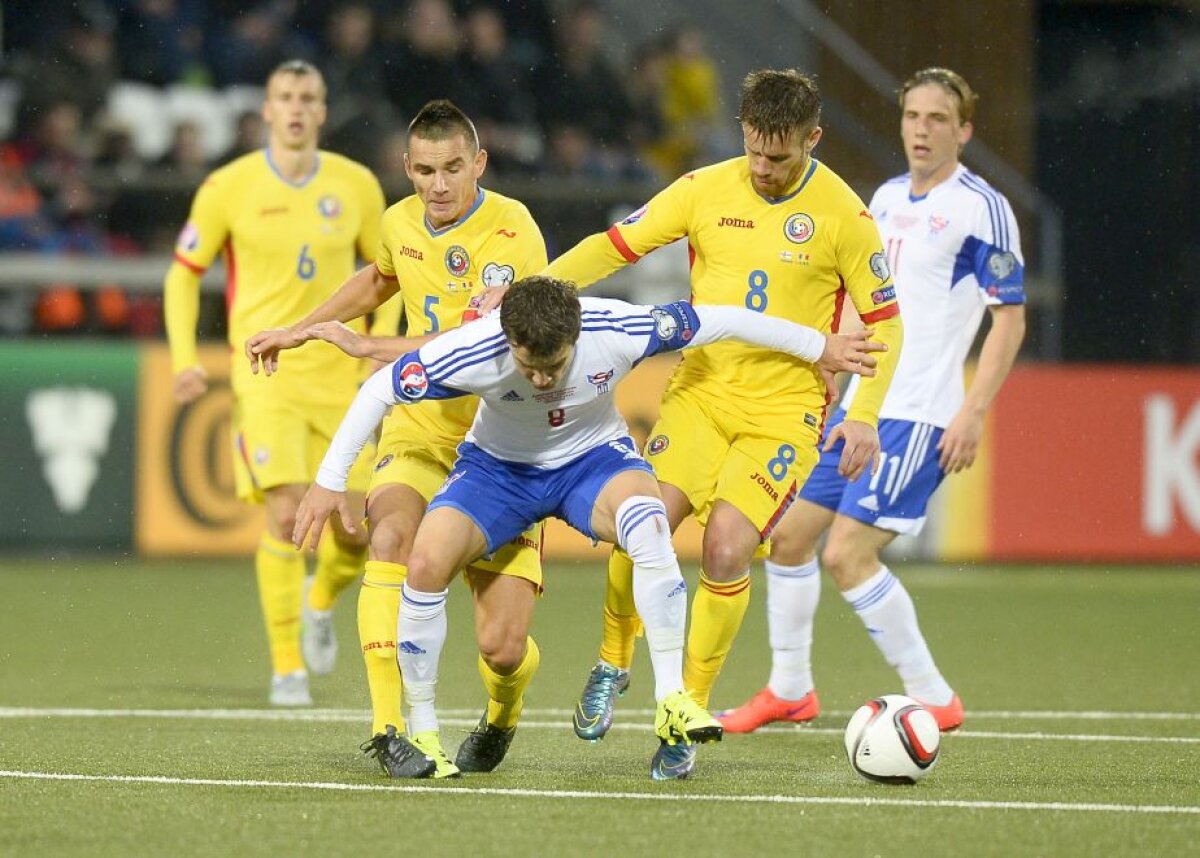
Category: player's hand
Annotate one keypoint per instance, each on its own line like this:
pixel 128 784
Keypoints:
pixel 850 353
pixel 861 448
pixel 960 442
pixel 190 384
pixel 493 297
pixel 318 505
pixel 352 343
pixel 263 348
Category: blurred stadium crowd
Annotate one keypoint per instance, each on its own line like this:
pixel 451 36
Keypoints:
pixel 100 97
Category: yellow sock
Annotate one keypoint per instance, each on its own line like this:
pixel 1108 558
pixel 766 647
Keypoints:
pixel 507 693
pixel 280 570
pixel 378 612
pixel 337 569
pixel 621 622
pixel 717 612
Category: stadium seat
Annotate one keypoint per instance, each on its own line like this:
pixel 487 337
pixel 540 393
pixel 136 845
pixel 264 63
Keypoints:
pixel 209 110
pixel 142 108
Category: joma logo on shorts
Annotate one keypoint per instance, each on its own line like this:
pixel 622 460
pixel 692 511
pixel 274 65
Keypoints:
pixel 766 485
pixel 738 222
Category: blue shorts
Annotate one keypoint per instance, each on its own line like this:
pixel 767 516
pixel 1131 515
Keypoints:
pixel 505 498
pixel 894 497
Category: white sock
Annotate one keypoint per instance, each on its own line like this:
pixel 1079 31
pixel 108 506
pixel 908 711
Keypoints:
pixel 661 599
pixel 420 636
pixel 659 591
pixel 792 596
pixel 887 611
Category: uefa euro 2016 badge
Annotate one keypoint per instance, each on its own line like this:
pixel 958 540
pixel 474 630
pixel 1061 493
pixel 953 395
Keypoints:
pixel 457 260
pixel 879 267
pixel 799 228
pixel 329 206
pixel 413 382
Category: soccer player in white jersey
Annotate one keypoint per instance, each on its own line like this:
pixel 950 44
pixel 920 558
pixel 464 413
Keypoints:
pixel 953 249
pixel 548 440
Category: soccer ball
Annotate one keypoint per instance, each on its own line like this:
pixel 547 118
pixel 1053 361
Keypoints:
pixel 892 739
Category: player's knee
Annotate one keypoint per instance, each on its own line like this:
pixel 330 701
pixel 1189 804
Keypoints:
pixel 723 561
pixel 789 548
pixel 427 572
pixel 502 646
pixel 848 565
pixel 392 539
pixel 644 532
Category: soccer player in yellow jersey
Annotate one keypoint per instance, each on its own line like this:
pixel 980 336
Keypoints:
pixel 290 221
pixel 777 232
pixel 441 249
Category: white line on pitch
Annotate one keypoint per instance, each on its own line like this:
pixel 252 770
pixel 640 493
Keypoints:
pixel 452 718
pixel 618 796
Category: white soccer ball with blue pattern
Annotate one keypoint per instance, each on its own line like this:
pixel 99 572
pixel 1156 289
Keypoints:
pixel 892 739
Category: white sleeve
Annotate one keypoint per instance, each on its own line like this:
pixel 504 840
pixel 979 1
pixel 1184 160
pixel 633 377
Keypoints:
pixel 723 323
pixel 366 411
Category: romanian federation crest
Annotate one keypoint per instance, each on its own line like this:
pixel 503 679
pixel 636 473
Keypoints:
pixel 329 206
pixel 458 262
pixel 799 228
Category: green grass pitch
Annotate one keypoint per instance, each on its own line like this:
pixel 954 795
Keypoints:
pixel 133 721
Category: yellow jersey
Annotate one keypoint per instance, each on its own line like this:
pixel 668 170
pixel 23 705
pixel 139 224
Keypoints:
pixel 440 270
pixel 796 257
pixel 287 247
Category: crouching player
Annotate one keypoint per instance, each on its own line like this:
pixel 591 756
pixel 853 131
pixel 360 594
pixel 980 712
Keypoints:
pixel 548 441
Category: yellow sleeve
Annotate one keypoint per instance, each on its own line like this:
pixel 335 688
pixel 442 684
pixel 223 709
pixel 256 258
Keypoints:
pixel 201 238
pixel 871 391
pixel 373 204
pixel 592 259
pixel 181 310
pixel 660 222
pixel 864 269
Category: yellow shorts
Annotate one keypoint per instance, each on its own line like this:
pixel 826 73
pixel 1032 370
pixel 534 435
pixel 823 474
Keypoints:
pixel 407 456
pixel 756 464
pixel 278 442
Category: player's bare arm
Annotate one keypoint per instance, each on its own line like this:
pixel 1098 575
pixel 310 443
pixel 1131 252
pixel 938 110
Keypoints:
pixel 366 290
pixel 318 505
pixel 960 442
pixel 382 349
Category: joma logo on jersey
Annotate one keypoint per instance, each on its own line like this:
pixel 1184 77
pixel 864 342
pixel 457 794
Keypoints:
pixel 740 223
pixel 412 253
pixel 766 486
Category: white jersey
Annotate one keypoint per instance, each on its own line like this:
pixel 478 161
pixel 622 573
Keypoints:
pixel 550 428
pixel 952 252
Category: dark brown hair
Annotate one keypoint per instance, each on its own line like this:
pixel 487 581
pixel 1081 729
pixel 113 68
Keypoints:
pixel 777 103
pixel 950 81
pixel 541 315
pixel 441 119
